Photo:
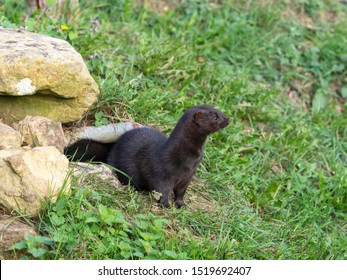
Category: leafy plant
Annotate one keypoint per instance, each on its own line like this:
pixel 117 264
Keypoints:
pixel 100 119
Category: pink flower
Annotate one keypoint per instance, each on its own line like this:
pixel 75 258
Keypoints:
pixel 94 22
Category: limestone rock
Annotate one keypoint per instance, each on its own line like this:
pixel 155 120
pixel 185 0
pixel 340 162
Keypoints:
pixel 40 131
pixel 10 138
pixel 81 171
pixel 28 176
pixel 11 232
pixel 41 75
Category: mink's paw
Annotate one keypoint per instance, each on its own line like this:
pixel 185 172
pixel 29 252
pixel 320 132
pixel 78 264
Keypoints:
pixel 164 203
pixel 179 203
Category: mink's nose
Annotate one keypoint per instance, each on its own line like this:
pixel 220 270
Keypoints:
pixel 226 122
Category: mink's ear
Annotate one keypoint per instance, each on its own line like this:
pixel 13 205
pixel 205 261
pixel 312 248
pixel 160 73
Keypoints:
pixel 198 116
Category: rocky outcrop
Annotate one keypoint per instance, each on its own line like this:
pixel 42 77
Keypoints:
pixel 10 138
pixel 12 231
pixel 31 175
pixel 44 76
pixel 39 132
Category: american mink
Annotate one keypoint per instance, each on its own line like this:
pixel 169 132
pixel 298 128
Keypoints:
pixel 154 162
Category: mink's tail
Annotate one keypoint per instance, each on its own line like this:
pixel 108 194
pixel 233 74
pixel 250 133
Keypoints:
pixel 86 150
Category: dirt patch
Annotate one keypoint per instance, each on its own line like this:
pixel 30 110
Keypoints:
pixel 158 6
pixel 296 99
pixel 298 16
pixel 331 16
pixel 296 12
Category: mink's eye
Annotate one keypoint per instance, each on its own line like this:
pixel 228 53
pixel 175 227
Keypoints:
pixel 216 117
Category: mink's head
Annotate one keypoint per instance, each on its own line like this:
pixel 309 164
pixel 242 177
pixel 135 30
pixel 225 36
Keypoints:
pixel 208 120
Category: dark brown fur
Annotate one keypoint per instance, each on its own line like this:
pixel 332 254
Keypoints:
pixel 154 162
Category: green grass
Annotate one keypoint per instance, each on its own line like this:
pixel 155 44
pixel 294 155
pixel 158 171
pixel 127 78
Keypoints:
pixel 273 185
